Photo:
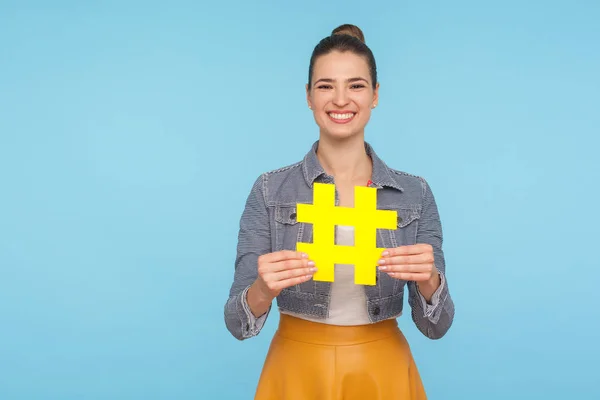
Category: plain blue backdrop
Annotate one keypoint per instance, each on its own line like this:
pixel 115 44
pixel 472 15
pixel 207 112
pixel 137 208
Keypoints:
pixel 131 132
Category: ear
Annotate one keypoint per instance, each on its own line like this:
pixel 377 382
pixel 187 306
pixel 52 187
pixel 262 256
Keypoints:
pixel 308 96
pixel 376 95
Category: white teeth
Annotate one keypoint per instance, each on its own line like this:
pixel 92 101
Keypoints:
pixel 341 116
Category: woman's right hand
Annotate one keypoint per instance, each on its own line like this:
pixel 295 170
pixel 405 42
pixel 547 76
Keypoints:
pixel 282 269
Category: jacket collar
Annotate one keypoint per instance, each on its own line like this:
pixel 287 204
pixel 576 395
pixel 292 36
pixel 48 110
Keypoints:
pixel 381 177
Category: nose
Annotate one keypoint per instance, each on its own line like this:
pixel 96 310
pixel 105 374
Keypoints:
pixel 340 97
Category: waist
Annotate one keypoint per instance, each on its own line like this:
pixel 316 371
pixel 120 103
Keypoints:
pixel 302 330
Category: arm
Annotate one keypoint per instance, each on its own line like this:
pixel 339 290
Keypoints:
pixel 246 310
pixel 431 303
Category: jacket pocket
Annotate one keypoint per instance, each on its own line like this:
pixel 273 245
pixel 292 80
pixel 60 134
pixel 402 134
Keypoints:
pixel 287 229
pixel 288 232
pixel 406 227
pixel 286 215
pixel 405 233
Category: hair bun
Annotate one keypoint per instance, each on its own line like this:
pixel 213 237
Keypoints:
pixel 351 30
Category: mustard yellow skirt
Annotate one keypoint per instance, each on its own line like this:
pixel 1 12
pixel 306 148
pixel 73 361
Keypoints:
pixel 313 361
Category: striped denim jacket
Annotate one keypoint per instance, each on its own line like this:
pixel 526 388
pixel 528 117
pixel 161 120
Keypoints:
pixel 268 224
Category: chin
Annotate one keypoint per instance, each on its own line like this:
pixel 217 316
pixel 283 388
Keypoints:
pixel 335 131
pixel 340 134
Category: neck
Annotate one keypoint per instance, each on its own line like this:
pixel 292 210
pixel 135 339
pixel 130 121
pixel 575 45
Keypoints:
pixel 346 159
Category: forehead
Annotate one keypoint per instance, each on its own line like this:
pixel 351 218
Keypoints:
pixel 341 65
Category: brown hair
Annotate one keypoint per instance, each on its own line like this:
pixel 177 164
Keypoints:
pixel 348 29
pixel 346 37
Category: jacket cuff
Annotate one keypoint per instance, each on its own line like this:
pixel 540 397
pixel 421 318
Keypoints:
pixel 251 325
pixel 432 310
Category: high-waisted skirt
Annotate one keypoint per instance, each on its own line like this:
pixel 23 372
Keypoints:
pixel 313 361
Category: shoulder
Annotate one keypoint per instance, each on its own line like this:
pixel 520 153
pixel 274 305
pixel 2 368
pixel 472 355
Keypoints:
pixel 280 174
pixel 409 182
pixel 281 185
pixel 283 171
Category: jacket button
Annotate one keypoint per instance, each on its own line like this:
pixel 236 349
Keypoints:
pixel 399 220
pixel 376 310
pixel 293 216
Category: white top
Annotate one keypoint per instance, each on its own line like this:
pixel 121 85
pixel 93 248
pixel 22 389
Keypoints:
pixel 348 303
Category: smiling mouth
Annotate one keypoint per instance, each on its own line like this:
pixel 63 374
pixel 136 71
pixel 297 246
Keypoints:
pixel 341 118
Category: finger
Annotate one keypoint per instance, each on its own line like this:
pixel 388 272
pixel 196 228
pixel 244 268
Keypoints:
pixel 285 265
pixel 284 255
pixel 407 250
pixel 410 276
pixel 417 268
pixel 407 259
pixel 296 281
pixel 286 283
pixel 291 273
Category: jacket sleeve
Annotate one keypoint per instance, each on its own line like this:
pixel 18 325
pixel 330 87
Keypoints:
pixel 254 240
pixel 435 318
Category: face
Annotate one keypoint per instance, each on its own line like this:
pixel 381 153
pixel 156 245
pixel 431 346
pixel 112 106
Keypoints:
pixel 341 94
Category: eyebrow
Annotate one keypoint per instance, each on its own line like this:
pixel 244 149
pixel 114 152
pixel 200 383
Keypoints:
pixel 350 80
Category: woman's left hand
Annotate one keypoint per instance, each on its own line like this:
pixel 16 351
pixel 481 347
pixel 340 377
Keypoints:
pixel 410 263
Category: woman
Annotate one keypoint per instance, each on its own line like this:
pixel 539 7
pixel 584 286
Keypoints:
pixel 339 340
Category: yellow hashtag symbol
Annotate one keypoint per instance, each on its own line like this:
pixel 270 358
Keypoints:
pixel 324 215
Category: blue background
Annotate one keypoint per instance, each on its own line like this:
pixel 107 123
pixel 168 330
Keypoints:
pixel 131 132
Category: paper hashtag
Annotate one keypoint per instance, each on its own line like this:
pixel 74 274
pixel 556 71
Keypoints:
pixel 324 215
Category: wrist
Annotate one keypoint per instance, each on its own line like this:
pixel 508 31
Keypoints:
pixel 428 287
pixel 258 301
pixel 260 292
pixel 435 280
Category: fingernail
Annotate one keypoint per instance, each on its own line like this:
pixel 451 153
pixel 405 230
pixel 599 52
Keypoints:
pixel 381 262
pixel 313 270
pixel 311 263
pixel 383 268
pixel 304 255
pixel 385 253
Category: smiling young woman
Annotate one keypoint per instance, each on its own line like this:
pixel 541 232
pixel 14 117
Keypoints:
pixel 339 340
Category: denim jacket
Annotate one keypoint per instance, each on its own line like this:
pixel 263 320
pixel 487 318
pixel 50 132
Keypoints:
pixel 268 224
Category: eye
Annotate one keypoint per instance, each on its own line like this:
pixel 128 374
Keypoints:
pixel 324 87
pixel 357 86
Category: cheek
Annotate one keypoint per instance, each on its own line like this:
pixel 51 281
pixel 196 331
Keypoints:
pixel 320 117
pixel 367 102
pixel 366 110
pixel 320 102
